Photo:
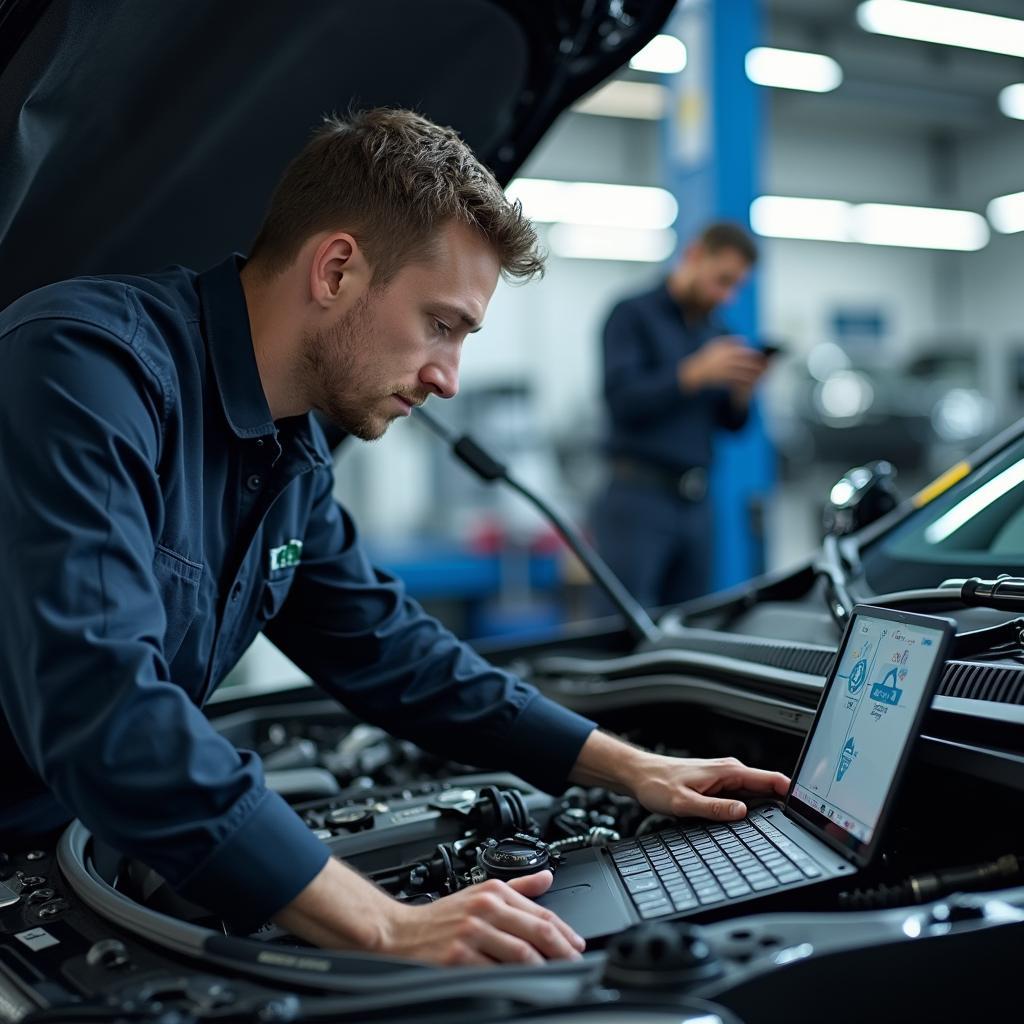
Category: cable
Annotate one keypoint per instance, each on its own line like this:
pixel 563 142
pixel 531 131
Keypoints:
pixel 930 886
pixel 489 469
pixel 355 973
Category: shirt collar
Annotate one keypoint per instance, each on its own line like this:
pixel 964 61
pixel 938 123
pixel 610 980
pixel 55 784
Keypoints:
pixel 229 341
pixel 701 320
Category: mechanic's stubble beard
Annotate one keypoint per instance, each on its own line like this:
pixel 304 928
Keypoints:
pixel 343 390
pixel 697 300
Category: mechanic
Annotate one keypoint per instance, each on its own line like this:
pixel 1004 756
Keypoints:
pixel 673 373
pixel 166 494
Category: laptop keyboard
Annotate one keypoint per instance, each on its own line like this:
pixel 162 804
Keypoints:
pixel 681 869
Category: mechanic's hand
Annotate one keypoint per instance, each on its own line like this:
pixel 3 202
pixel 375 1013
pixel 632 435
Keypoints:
pixel 684 786
pixel 493 922
pixel 722 362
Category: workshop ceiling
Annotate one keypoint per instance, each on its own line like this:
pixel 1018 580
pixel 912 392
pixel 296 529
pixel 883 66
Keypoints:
pixel 894 82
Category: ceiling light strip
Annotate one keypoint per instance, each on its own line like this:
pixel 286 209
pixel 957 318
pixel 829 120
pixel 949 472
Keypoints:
pixel 1006 213
pixel 1011 101
pixel 664 54
pixel 949 26
pixel 579 241
pixel 595 203
pixel 832 220
pixel 792 69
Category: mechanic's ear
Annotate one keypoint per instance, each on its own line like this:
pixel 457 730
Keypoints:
pixel 339 272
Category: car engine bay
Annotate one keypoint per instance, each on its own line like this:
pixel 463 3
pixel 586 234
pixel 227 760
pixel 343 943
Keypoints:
pixel 89 936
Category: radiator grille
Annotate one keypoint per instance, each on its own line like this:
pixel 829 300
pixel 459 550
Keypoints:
pixel 1001 684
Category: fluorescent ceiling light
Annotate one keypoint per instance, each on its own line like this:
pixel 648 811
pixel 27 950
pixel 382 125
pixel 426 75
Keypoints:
pixel 600 205
pixel 786 217
pixel 1011 101
pixel 964 511
pixel 918 227
pixel 934 24
pixel 832 220
pixel 626 99
pixel 576 241
pixel 1006 213
pixel 792 69
pixel 663 54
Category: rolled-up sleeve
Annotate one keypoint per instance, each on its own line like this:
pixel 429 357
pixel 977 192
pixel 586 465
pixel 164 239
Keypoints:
pixel 83 680
pixel 356 632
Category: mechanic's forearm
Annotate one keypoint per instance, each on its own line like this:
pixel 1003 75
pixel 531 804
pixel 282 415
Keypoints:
pixel 609 762
pixel 339 909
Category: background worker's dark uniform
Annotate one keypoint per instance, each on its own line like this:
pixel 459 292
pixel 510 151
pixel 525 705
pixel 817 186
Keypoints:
pixel 654 522
pixel 152 518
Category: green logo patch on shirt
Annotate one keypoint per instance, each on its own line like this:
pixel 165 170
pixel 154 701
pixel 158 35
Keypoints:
pixel 286 556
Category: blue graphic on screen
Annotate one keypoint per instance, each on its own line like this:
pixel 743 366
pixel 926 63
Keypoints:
pixel 846 759
pixel 858 674
pixel 866 722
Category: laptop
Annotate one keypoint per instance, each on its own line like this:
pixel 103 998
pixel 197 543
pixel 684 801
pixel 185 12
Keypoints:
pixel 831 821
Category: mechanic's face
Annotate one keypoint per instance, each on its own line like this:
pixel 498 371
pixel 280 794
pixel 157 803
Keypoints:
pixel 399 344
pixel 716 276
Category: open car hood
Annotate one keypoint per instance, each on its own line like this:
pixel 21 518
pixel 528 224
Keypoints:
pixel 137 133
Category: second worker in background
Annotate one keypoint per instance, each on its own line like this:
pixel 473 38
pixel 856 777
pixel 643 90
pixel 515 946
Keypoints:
pixel 673 374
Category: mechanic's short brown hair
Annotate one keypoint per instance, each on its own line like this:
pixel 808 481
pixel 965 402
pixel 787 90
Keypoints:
pixel 392 178
pixel 725 234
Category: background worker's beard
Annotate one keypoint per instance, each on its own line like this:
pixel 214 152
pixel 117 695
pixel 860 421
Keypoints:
pixel 337 366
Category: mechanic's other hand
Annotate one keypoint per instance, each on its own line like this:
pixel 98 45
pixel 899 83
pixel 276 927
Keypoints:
pixel 722 362
pixel 685 786
pixel 493 922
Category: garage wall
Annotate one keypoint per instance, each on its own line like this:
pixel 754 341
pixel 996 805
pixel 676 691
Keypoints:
pixel 803 282
pixel 993 298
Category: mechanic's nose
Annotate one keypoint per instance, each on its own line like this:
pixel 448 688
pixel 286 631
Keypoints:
pixel 442 378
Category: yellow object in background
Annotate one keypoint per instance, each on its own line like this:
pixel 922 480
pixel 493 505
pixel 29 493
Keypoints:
pixel 941 484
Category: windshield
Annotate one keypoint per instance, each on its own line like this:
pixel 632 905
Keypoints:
pixel 975 529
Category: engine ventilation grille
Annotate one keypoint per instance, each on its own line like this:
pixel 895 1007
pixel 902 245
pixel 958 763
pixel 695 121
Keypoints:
pixel 809 660
pixel 1001 684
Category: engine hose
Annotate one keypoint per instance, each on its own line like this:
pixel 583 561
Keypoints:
pixel 596 836
pixel 922 888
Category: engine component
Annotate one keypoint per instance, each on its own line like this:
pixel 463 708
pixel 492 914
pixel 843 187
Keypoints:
pixel 377 829
pixel 506 859
pixel 660 954
pixel 596 836
pixel 922 888
pixel 500 811
pixel 352 818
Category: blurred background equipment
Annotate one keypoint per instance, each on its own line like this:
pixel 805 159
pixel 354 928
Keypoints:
pixel 876 156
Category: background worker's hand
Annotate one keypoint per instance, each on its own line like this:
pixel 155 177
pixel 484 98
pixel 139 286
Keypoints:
pixel 493 922
pixel 722 362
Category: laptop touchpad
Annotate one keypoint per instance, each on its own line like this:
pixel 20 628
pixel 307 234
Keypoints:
pixel 582 897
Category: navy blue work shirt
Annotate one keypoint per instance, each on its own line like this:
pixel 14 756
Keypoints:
pixel 650 418
pixel 154 519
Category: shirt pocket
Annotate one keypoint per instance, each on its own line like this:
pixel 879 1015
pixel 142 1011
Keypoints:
pixel 273 595
pixel 178 580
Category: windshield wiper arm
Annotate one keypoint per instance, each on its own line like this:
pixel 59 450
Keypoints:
pixel 830 567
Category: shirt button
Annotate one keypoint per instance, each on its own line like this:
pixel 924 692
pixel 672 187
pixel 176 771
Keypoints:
pixel 254 481
pixel 259 442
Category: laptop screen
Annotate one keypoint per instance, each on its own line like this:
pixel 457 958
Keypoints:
pixel 884 671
